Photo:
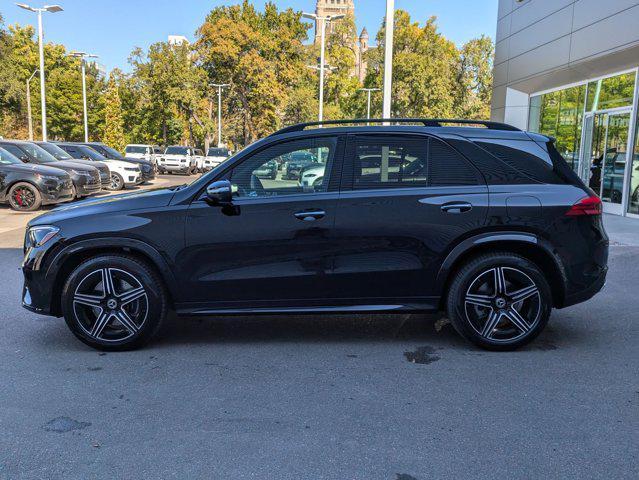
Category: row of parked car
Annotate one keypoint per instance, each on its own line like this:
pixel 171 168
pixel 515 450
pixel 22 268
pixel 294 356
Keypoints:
pixel 179 159
pixel 33 174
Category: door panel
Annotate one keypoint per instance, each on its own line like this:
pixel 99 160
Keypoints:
pixel 393 238
pixel 264 253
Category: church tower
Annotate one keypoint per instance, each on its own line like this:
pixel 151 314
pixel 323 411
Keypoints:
pixel 332 7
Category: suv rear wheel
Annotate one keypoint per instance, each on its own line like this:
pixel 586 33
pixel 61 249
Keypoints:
pixel 499 301
pixel 114 302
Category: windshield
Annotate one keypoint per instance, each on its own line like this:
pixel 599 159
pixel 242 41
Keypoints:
pixel 135 149
pixel 7 158
pixel 176 151
pixel 218 152
pixel 109 152
pixel 92 154
pixel 40 155
pixel 56 151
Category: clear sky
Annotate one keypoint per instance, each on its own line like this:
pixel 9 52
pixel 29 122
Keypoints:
pixel 112 28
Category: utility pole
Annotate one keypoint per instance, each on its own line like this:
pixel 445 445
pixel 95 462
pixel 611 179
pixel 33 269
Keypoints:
pixel 388 57
pixel 322 22
pixel 83 56
pixel 29 116
pixel 50 9
pixel 369 91
pixel 219 87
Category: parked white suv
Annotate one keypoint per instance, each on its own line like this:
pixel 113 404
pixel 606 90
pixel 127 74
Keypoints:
pixel 215 156
pixel 143 152
pixel 178 159
pixel 123 174
pixel 199 160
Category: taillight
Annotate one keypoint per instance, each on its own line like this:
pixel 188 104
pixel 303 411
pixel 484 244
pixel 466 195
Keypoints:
pixel 586 206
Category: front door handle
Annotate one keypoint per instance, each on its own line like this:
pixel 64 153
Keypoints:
pixel 457 207
pixel 310 215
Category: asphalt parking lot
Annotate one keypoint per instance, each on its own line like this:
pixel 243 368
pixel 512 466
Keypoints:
pixel 331 397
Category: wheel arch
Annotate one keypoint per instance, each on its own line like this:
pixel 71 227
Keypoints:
pixel 527 245
pixel 73 255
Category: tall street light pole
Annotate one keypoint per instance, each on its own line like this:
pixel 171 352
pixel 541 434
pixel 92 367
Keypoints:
pixel 50 9
pixel 219 87
pixel 369 91
pixel 322 22
pixel 388 57
pixel 83 56
pixel 29 116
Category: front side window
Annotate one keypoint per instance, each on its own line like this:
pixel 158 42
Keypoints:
pixel 7 158
pixel 404 162
pixel 288 168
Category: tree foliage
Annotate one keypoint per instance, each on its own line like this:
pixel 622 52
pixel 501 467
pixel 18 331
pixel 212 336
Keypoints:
pixel 167 96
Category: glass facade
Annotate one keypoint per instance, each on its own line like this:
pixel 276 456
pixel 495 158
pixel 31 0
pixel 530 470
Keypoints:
pixel 564 114
pixel 559 114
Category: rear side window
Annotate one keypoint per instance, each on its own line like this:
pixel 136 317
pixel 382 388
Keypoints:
pixel 405 162
pixel 527 157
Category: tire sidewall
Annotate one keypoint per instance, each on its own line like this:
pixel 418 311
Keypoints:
pixel 149 280
pixel 467 274
pixel 120 179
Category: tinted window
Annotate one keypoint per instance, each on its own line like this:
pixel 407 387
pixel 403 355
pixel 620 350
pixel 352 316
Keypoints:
pixel 56 151
pixel 526 157
pixel 385 162
pixel 176 150
pixel 15 151
pixel 135 149
pixel 269 172
pixel 7 157
pixel 218 152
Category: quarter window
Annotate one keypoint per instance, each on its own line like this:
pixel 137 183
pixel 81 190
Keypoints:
pixel 289 168
pixel 408 162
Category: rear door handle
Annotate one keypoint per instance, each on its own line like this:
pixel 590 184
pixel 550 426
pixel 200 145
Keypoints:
pixel 310 215
pixel 457 207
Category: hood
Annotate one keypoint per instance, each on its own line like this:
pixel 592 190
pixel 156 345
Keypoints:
pixel 120 164
pixel 140 161
pixel 90 163
pixel 76 165
pixel 125 202
pixel 33 168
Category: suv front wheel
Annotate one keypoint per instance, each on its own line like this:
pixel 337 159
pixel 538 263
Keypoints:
pixel 114 302
pixel 499 301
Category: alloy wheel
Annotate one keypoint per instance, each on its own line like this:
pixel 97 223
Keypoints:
pixel 503 304
pixel 23 198
pixel 110 305
pixel 116 182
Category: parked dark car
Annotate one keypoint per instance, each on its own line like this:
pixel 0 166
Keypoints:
pixel 26 187
pixel 146 167
pixel 123 174
pixel 488 224
pixel 268 170
pixel 296 162
pixel 60 154
pixel 86 179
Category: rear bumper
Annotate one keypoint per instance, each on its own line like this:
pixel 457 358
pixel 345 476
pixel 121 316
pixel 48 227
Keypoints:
pixel 587 293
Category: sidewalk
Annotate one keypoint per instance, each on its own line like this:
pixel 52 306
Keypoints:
pixel 623 231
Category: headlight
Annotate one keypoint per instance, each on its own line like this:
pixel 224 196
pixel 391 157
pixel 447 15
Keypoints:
pixel 51 177
pixel 38 236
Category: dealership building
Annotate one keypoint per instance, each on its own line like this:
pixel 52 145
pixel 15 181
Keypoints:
pixel 568 69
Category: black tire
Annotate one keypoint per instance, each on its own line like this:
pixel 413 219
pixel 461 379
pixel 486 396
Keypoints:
pixel 475 303
pixel 117 182
pixel 24 197
pixel 92 310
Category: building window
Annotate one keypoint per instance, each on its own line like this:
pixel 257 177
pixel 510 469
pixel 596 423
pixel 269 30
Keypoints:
pixel 559 114
pixel 611 92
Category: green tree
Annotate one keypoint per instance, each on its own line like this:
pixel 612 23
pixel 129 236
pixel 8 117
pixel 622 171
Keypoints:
pixel 113 121
pixel 475 78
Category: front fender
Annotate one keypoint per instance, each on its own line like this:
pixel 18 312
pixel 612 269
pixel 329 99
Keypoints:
pixel 114 243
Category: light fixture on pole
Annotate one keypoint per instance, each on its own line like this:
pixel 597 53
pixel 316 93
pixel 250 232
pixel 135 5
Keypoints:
pixel 29 116
pixel 388 57
pixel 50 9
pixel 322 22
pixel 219 87
pixel 369 91
pixel 83 56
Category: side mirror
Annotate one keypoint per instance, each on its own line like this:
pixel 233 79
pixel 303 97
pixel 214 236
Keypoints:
pixel 24 159
pixel 220 193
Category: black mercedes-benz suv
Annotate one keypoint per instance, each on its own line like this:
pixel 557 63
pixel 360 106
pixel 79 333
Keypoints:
pixel 27 187
pixel 478 219
pixel 86 179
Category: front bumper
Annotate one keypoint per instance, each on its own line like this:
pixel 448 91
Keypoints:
pixel 60 193
pixel 182 168
pixel 88 186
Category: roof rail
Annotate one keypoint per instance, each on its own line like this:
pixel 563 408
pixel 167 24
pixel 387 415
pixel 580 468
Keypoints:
pixel 427 122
